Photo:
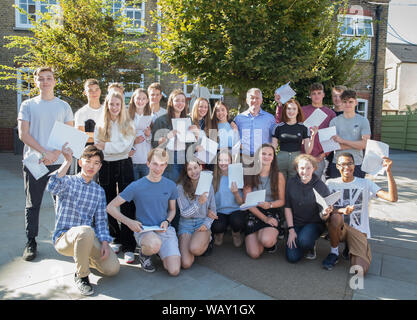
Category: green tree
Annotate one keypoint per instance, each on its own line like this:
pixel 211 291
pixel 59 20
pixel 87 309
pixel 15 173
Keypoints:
pixel 248 43
pixel 80 39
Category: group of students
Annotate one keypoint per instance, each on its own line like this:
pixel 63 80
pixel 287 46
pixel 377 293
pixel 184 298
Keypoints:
pixel 147 178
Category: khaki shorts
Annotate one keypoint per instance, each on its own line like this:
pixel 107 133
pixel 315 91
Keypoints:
pixel 357 242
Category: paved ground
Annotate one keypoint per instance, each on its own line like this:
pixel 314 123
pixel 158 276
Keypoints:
pixel 228 273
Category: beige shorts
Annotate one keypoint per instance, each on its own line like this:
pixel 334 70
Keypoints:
pixel 357 242
pixel 169 246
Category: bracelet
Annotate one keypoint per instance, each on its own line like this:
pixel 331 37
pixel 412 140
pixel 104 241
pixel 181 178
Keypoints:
pixel 270 205
pixel 43 154
pixel 169 222
pixel 292 227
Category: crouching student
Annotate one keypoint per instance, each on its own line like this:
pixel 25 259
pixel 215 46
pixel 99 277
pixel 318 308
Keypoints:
pixel 154 197
pixel 197 214
pixel 81 229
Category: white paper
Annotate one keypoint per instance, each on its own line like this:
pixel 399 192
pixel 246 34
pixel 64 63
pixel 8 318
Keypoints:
pixel 209 150
pixel 372 161
pixel 182 125
pixel 37 169
pixel 285 92
pixel 204 182
pixel 315 119
pixel 328 201
pixel 235 173
pixel 62 133
pixel 151 228
pixel 236 148
pixel 144 122
pixel 326 141
pixel 253 199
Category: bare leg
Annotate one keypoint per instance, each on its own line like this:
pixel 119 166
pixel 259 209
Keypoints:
pixel 253 246
pixel 172 264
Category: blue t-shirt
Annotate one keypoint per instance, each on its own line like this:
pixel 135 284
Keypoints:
pixel 151 199
pixel 225 200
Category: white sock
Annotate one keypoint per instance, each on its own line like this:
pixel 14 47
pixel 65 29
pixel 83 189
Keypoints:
pixel 334 250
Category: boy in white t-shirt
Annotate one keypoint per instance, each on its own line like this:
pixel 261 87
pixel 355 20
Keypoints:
pixel 354 228
pixel 87 116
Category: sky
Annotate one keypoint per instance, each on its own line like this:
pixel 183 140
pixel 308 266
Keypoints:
pixel 402 18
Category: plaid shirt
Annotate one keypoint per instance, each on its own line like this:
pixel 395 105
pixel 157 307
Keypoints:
pixel 79 204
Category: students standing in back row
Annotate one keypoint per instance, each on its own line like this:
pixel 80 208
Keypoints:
pixel 36 119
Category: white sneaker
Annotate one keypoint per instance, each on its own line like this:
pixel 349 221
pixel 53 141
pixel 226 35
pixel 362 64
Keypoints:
pixel 311 254
pixel 129 257
pixel 115 247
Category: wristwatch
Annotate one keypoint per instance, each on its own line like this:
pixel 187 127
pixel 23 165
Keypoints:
pixel 169 222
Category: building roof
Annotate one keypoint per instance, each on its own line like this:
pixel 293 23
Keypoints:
pixel 404 52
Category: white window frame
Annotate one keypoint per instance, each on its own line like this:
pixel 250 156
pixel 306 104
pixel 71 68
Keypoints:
pixel 125 9
pixel 38 7
pixel 20 94
pixel 363 113
pixel 135 85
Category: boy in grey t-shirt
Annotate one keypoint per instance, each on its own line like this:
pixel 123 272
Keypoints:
pixel 353 131
pixel 36 119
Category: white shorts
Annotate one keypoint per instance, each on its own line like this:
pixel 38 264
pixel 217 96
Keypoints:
pixel 169 246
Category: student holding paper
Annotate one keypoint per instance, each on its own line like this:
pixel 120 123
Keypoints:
pixel 154 197
pixel 115 135
pixel 162 132
pixel 291 134
pixel 261 229
pixel 81 229
pixel 228 200
pixel 197 214
pixel 200 115
pixel 317 96
pixel 353 131
pixel 36 119
pixel 138 108
pixel 352 227
pixel 302 212
pixel 228 136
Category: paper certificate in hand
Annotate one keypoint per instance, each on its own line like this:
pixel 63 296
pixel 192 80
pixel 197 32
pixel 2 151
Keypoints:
pixel 315 119
pixel 235 173
pixel 204 182
pixel 37 169
pixel 151 228
pixel 144 122
pixel 62 133
pixel 182 125
pixel 372 161
pixel 209 150
pixel 326 141
pixel 253 199
pixel 328 201
pixel 285 92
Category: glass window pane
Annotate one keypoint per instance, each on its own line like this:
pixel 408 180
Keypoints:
pixel 32 9
pixel 23 19
pixel 347 27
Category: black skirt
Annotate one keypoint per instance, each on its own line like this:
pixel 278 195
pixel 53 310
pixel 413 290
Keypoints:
pixel 253 224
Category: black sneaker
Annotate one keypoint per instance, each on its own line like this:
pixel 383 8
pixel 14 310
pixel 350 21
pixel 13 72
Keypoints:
pixel 83 284
pixel 209 249
pixel 30 250
pixel 146 262
pixel 272 249
pixel 330 261
pixel 345 253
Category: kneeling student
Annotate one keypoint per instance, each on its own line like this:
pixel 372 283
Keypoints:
pixel 154 197
pixel 81 228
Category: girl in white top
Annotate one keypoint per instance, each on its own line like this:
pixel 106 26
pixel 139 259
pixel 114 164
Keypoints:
pixel 139 108
pixel 114 134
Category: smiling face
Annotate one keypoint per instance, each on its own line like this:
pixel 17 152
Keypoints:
pixel 346 167
pixel 349 105
pixel 89 167
pixel 93 92
pixel 178 103
pixel 224 161
pixel 157 166
pixel 267 156
pixel 254 101
pixel 221 113
pixel 337 101
pixel 141 99
pixel 45 81
pixel 115 106
pixel 155 96
pixel 203 108
pixel 193 170
pixel 305 170
pixel 292 111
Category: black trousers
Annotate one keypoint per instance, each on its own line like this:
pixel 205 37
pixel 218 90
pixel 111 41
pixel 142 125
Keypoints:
pixel 236 220
pixel 34 190
pixel 114 177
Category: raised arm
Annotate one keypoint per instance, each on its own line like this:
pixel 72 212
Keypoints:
pixel 392 193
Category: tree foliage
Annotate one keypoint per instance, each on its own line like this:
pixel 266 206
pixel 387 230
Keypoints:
pixel 254 43
pixel 80 39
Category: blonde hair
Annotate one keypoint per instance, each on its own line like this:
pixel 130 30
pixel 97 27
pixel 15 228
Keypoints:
pixel 132 106
pixel 158 153
pixel 305 157
pixel 194 115
pixel 126 126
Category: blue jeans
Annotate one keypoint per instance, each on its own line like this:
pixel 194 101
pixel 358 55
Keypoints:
pixel 306 238
pixel 140 170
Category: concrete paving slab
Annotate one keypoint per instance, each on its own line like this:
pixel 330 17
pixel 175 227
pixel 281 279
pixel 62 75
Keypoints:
pixel 376 264
pixel 399 269
pixel 242 292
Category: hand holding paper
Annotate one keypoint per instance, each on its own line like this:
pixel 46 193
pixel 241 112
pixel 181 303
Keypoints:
pixel 315 119
pixel 36 168
pixel 325 137
pixel 285 92
pixel 253 198
pixel 235 173
pixel 373 160
pixel 62 133
pixel 204 182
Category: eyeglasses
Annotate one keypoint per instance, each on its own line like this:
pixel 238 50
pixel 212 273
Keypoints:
pixel 347 164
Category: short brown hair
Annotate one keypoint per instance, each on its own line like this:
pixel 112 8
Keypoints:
pixel 42 69
pixel 339 88
pixel 89 82
pixel 306 157
pixel 348 94
pixel 300 114
pixel 316 86
pixel 91 151
pixel 156 86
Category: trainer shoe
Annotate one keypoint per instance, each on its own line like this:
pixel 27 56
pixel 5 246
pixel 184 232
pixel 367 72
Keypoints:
pixel 146 262
pixel 218 239
pixel 237 239
pixel 272 249
pixel 29 253
pixel 330 261
pixel 115 247
pixel 129 257
pixel 311 253
pixel 83 284
pixel 345 253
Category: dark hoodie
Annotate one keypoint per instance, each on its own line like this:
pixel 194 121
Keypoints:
pixel 300 198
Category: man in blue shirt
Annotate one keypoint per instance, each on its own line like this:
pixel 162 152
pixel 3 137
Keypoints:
pixel 155 198
pixel 81 229
pixel 254 124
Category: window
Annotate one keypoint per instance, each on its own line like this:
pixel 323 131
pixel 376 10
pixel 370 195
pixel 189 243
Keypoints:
pixel 130 87
pixel 362 107
pixel 358 26
pixel 23 87
pixel 33 8
pixel 136 13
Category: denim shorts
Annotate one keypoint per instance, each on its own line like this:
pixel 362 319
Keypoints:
pixel 189 225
